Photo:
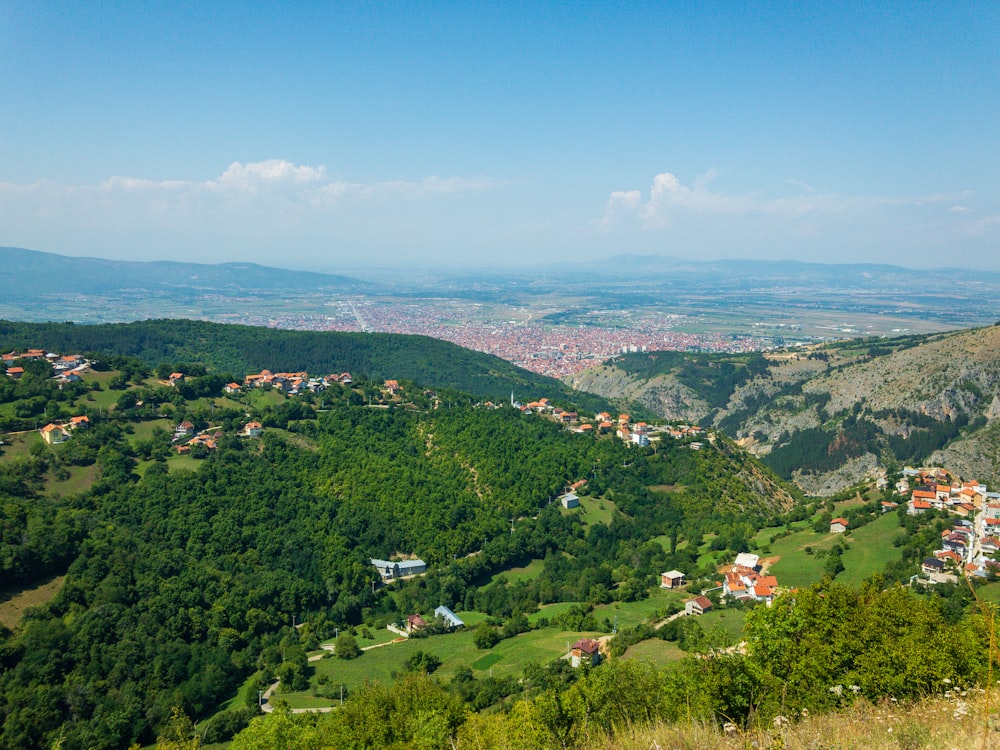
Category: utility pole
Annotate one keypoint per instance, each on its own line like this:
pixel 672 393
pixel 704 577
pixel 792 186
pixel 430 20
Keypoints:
pixel 341 695
pixel 260 697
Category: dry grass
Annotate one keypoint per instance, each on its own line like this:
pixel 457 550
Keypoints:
pixel 960 720
pixel 12 609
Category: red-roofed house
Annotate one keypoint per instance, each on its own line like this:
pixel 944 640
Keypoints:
pixel 838 525
pixel 54 433
pixel 699 605
pixel 585 651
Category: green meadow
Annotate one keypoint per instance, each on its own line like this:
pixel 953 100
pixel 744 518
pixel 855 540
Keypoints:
pixel 455 650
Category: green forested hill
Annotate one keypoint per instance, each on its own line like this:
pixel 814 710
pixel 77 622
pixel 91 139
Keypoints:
pixel 243 349
pixel 181 583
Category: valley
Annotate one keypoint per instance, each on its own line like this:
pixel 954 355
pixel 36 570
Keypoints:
pixel 225 520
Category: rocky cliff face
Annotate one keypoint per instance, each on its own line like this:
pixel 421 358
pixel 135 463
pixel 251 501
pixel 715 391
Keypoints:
pixel 908 389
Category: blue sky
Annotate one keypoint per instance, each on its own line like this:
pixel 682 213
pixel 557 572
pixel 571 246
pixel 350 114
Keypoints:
pixel 337 135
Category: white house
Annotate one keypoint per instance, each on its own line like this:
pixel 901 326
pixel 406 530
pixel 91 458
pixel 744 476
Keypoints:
pixel 570 500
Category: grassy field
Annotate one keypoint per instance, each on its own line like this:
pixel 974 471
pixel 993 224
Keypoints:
pixel 869 549
pixel 546 610
pixel 509 657
pixel 18 445
pixel 183 463
pixel 594 510
pixel 630 614
pixel 81 478
pixel 12 609
pixel 144 430
pixel 730 620
pixel 655 651
pixel 528 572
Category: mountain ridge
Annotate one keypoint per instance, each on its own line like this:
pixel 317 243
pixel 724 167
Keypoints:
pixel 870 403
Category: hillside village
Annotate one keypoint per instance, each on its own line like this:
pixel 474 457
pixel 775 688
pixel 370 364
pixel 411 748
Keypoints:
pixel 966 548
pixel 712 585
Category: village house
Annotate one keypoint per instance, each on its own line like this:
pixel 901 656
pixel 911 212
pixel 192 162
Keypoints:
pixel 838 525
pixel 415 623
pixel 932 565
pixel 585 651
pixel 54 433
pixel 570 500
pixel 451 620
pixel 253 429
pixel 391 570
pixel 699 605
pixel 672 579
pixel 232 388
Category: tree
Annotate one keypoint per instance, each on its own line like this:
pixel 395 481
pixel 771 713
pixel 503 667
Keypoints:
pixel 485 637
pixel 346 647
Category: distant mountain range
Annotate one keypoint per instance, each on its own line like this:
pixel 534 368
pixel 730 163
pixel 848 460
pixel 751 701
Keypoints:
pixel 30 273
pixel 743 272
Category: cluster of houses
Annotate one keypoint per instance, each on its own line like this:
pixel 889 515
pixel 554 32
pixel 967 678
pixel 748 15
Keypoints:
pixel 742 581
pixel 185 437
pixel 60 432
pixel 636 433
pixel 935 491
pixel 292 383
pixel 67 367
pixel 968 546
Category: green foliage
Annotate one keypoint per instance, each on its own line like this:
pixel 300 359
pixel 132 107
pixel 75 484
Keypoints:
pixel 243 349
pixel 486 637
pixel 884 642
pixel 346 647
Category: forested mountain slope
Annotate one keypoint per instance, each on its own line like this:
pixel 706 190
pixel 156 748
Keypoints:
pixel 183 575
pixel 241 349
pixel 831 415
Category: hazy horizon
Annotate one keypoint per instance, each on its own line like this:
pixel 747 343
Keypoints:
pixel 331 138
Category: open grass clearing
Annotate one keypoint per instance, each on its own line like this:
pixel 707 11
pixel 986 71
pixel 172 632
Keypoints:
pixel 729 621
pixel 528 572
pixel 12 609
pixel 18 444
pixel 183 463
pixel 81 479
pixel 596 510
pixel 869 548
pixel 655 651
pixel 144 430
pixel 630 614
pixel 548 611
pixel 507 658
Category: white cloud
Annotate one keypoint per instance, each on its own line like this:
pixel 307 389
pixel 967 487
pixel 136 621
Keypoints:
pixel 265 185
pixel 670 200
